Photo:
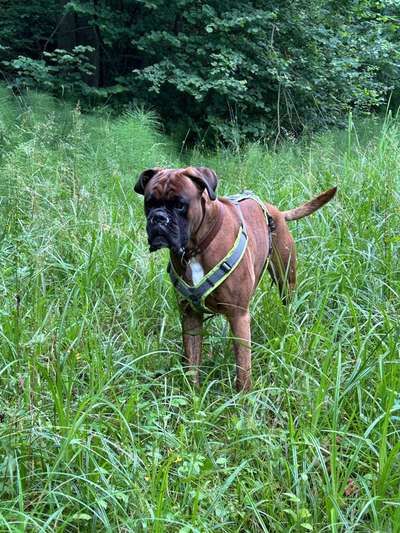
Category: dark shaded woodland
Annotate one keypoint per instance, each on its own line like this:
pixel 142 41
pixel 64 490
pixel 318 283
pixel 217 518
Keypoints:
pixel 218 69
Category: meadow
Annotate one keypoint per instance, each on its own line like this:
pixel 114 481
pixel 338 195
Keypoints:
pixel 100 427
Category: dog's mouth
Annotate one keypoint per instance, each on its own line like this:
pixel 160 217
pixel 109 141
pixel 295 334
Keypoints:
pixel 157 242
pixel 163 235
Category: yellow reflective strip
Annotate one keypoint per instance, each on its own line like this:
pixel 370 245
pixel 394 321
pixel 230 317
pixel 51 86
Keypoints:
pixel 218 265
pixel 224 277
pixel 214 269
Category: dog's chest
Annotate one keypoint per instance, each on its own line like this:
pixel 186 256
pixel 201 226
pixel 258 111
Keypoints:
pixel 196 270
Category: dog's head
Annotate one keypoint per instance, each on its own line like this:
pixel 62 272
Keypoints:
pixel 174 203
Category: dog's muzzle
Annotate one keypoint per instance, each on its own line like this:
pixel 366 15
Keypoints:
pixel 157 229
pixel 159 218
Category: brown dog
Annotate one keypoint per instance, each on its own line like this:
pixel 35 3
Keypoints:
pixel 184 214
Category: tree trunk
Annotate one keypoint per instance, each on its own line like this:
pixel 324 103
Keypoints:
pixel 66 34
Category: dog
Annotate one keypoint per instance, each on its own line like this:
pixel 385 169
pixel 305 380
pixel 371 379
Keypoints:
pixel 203 233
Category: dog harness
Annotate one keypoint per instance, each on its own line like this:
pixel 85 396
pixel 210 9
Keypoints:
pixel 197 294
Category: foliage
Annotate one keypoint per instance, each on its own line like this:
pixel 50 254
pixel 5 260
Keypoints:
pixel 100 429
pixel 225 69
pixel 272 69
pixel 59 72
pixel 27 27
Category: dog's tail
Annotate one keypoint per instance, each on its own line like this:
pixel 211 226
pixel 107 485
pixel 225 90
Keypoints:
pixel 311 206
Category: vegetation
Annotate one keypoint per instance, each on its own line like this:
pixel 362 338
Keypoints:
pixel 100 429
pixel 224 69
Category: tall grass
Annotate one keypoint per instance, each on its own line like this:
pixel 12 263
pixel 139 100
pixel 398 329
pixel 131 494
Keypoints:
pixel 100 430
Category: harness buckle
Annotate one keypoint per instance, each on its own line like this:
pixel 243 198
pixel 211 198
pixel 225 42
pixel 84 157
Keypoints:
pixel 226 267
pixel 271 222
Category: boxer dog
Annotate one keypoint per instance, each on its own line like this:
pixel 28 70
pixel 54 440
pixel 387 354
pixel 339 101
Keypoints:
pixel 184 214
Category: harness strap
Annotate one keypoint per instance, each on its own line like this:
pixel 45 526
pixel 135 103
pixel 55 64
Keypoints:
pixel 197 294
pixel 271 226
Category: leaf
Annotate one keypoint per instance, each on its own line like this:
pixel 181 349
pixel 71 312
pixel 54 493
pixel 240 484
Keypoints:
pixel 81 516
pixel 291 513
pixel 304 513
pixel 178 401
pixel 292 497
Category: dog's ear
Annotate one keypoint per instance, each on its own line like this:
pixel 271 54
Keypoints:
pixel 144 179
pixel 205 178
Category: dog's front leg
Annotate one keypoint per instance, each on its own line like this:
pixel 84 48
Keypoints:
pixel 240 325
pixel 192 331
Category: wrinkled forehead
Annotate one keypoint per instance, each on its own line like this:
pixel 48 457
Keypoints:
pixel 168 183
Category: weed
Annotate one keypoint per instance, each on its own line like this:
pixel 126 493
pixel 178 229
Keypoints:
pixel 100 429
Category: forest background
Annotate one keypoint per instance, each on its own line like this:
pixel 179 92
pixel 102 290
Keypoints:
pixel 222 69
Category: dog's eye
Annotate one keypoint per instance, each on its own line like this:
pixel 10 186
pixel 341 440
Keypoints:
pixel 180 206
pixel 150 203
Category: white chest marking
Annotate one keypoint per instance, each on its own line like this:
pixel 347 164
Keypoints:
pixel 196 269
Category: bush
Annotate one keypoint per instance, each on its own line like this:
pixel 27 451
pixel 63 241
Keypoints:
pixel 221 69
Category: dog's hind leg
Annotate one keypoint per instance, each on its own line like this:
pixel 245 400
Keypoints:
pixel 192 326
pixel 282 267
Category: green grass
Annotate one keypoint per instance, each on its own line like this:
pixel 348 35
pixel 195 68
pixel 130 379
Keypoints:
pixel 100 429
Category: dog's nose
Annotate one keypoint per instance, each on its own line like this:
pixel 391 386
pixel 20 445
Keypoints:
pixel 159 218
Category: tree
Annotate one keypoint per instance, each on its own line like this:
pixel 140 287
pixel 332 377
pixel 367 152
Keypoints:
pixel 221 68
